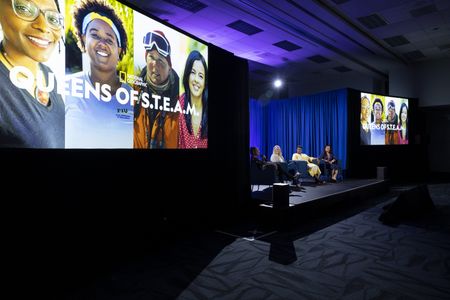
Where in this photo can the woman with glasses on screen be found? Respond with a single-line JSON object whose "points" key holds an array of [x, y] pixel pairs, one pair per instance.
{"points": [[194, 127], [155, 128], [31, 110], [365, 117], [99, 119]]}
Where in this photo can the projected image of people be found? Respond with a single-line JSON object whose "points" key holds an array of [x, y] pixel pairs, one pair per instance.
{"points": [[99, 111], [364, 129], [155, 126], [377, 127], [391, 136], [194, 127], [386, 125], [31, 109], [403, 125]]}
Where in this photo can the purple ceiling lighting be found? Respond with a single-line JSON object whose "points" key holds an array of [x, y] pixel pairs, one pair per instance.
{"points": [[363, 36]]}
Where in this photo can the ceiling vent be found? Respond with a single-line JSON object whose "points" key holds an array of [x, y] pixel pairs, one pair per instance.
{"points": [[318, 59], [288, 46], [189, 5], [340, 1], [397, 40], [342, 69], [413, 55], [372, 21], [244, 27], [422, 11]]}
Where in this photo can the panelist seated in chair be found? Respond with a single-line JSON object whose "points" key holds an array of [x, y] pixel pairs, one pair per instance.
{"points": [[261, 172], [291, 173], [330, 162], [260, 160], [263, 164], [313, 169]]}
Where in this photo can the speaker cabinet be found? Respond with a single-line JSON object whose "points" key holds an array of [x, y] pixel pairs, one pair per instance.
{"points": [[409, 205], [381, 173], [280, 195]]}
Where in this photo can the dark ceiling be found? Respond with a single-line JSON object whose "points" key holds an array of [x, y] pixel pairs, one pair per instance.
{"points": [[297, 37]]}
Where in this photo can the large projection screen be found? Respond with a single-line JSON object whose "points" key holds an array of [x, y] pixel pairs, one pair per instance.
{"points": [[97, 74]]}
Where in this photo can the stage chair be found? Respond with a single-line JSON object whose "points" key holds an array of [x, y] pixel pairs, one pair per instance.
{"points": [[302, 167], [258, 176]]}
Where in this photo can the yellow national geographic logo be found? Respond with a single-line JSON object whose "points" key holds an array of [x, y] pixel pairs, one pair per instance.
{"points": [[131, 79], [123, 77]]}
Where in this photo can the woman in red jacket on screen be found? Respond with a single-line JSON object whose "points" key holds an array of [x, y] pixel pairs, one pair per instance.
{"points": [[194, 101], [403, 124]]}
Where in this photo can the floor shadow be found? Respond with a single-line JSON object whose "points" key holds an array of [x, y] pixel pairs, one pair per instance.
{"points": [[282, 252], [162, 269], [163, 266]]}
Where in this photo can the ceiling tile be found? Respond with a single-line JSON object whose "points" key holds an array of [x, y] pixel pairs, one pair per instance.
{"points": [[397, 40], [414, 55], [244, 27], [342, 69], [286, 45], [318, 59], [422, 11], [372, 21]]}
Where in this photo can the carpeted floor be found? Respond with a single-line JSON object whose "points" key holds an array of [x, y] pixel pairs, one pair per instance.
{"points": [[345, 254]]}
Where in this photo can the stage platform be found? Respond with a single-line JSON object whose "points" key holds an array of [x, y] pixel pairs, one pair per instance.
{"points": [[311, 198]]}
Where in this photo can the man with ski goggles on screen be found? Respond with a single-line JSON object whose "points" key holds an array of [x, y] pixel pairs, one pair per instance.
{"points": [[153, 127]]}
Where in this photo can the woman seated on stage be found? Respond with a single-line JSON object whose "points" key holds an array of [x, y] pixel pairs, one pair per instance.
{"points": [[330, 162]]}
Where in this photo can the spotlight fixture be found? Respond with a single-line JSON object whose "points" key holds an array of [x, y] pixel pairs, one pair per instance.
{"points": [[277, 83]]}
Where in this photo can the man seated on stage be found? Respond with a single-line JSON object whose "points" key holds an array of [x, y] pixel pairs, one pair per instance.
{"points": [[313, 169], [262, 163]]}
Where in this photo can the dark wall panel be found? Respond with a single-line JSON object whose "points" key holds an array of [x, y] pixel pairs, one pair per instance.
{"points": [[79, 206]]}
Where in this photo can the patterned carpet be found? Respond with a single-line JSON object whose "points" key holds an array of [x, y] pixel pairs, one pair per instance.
{"points": [[356, 258], [345, 254]]}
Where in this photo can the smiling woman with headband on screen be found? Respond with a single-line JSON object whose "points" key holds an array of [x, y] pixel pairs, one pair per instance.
{"points": [[31, 110], [99, 119], [377, 127]]}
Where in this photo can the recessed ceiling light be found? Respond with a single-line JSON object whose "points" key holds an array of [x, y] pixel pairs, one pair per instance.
{"points": [[277, 83]]}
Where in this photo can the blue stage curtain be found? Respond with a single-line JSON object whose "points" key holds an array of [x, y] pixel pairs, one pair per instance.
{"points": [[256, 123], [310, 121]]}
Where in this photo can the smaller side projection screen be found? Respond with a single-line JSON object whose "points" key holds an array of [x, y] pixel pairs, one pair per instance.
{"points": [[384, 120]]}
